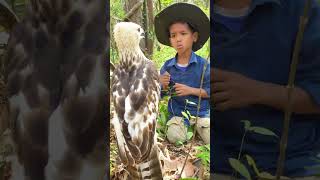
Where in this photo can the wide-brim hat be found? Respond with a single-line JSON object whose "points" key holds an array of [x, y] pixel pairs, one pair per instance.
{"points": [[182, 12], [7, 17]]}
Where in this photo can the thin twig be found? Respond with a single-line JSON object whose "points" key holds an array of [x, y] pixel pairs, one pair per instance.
{"points": [[290, 87], [198, 109]]}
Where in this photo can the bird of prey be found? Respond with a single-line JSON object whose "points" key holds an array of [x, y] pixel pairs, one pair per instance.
{"points": [[135, 93], [56, 78]]}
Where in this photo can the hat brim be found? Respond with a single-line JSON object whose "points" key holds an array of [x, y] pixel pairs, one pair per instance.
{"points": [[182, 12]]}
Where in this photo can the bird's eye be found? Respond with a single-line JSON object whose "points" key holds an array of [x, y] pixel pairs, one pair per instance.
{"points": [[139, 29]]}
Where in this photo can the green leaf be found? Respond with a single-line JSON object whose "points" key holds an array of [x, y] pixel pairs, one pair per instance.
{"points": [[179, 143], [263, 131], [192, 117], [184, 114], [204, 154], [247, 124], [200, 148], [316, 159], [252, 163], [190, 128], [188, 113], [189, 135], [240, 168], [204, 159], [250, 160], [266, 175], [174, 94], [191, 103]]}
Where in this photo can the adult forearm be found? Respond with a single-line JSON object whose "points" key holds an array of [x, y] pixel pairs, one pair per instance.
{"points": [[199, 92], [276, 96]]}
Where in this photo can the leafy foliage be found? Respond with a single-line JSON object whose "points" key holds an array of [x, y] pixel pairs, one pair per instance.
{"points": [[238, 166], [204, 154], [162, 118]]}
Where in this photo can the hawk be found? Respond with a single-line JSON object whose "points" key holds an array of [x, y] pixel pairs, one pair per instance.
{"points": [[135, 93], [56, 78]]}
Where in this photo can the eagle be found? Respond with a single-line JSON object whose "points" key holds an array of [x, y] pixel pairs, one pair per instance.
{"points": [[135, 94], [56, 79]]}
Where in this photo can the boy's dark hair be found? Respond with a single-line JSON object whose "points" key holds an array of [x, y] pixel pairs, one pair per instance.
{"points": [[190, 26]]}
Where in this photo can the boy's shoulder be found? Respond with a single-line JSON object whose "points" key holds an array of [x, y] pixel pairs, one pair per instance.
{"points": [[169, 62], [201, 60], [172, 61]]}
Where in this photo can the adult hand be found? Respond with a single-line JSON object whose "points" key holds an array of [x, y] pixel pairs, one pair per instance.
{"points": [[233, 90]]}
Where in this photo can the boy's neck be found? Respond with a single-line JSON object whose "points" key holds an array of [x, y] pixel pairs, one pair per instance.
{"points": [[232, 4], [184, 58]]}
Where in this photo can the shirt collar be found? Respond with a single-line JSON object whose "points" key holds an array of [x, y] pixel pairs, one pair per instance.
{"points": [[256, 3], [193, 59]]}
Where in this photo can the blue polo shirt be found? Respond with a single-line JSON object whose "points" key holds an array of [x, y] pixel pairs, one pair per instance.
{"points": [[190, 76], [262, 50]]}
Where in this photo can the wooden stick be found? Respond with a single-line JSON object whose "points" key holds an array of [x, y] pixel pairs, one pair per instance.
{"points": [[290, 87], [198, 109]]}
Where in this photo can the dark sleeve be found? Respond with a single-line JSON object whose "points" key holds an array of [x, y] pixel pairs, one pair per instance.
{"points": [[308, 71]]}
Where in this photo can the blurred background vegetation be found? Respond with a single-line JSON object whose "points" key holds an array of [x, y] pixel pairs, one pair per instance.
{"points": [[18, 8]]}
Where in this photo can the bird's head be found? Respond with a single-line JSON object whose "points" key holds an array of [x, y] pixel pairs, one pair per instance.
{"points": [[127, 36]]}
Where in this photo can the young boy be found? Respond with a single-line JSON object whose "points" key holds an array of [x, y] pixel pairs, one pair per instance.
{"points": [[253, 42], [186, 28]]}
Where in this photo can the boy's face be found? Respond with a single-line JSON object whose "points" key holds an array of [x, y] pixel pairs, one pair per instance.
{"points": [[181, 37]]}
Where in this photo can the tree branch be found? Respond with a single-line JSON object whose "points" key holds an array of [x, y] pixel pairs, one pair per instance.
{"points": [[133, 10]]}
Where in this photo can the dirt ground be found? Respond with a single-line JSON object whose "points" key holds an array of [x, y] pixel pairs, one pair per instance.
{"points": [[171, 157]]}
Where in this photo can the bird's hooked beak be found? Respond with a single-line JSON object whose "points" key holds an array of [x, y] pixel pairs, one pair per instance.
{"points": [[142, 35]]}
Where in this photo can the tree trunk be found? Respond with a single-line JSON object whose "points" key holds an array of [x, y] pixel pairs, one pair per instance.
{"points": [[133, 10], [150, 39]]}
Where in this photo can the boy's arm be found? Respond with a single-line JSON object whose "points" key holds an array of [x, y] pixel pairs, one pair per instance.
{"points": [[204, 92], [200, 92], [184, 90]]}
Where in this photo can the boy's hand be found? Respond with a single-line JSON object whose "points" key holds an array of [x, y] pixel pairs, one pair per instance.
{"points": [[233, 90], [183, 90], [164, 80]]}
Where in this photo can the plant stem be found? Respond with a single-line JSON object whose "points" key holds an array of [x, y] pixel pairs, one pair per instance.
{"points": [[290, 87], [198, 109], [241, 146], [234, 173]]}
